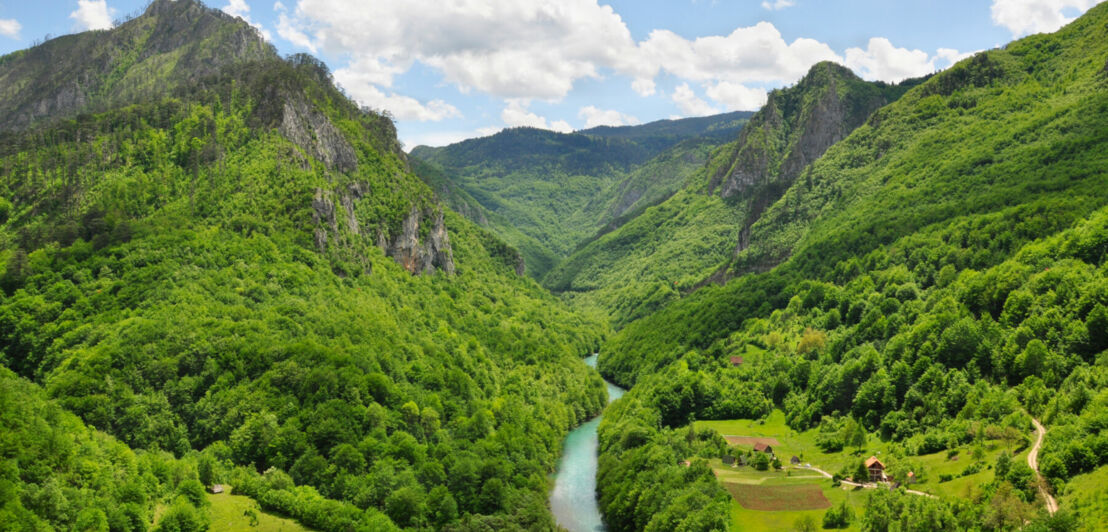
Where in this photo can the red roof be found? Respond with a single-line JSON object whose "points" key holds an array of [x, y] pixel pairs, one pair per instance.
{"points": [[760, 446], [874, 462], [735, 361]]}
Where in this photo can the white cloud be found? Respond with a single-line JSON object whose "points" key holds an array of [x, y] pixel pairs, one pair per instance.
{"points": [[645, 87], [1023, 17], [883, 61], [445, 138], [9, 27], [288, 29], [527, 50], [595, 116], [736, 96], [239, 8], [516, 114], [93, 15], [753, 54], [690, 104], [508, 48], [778, 4], [402, 107]]}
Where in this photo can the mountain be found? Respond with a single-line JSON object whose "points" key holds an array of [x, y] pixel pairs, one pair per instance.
{"points": [[172, 44], [673, 246], [555, 189], [934, 282], [237, 269]]}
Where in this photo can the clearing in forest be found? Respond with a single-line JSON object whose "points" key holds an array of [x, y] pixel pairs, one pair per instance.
{"points": [[778, 498], [751, 440]]}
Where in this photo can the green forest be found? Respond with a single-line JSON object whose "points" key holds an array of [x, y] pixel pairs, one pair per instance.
{"points": [[162, 280], [218, 269], [941, 278]]}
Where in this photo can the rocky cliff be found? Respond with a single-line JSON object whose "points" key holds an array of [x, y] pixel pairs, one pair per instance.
{"points": [[795, 127], [421, 244]]}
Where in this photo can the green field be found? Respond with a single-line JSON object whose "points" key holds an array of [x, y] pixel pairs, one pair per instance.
{"points": [[1085, 496], [803, 445], [229, 513]]}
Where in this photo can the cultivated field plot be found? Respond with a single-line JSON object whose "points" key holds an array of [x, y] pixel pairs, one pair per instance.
{"points": [[778, 498], [751, 440]]}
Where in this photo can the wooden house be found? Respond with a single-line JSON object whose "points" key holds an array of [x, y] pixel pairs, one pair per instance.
{"points": [[876, 469], [763, 448]]}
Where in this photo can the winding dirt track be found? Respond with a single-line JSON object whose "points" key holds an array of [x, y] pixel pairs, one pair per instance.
{"points": [[1033, 461]]}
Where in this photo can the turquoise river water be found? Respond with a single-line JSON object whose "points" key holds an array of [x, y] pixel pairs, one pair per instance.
{"points": [[573, 499]]}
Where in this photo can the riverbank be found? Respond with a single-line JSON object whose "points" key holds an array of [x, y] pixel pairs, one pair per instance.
{"points": [[573, 499]]}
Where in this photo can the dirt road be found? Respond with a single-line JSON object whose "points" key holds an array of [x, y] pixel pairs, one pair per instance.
{"points": [[1033, 461]]}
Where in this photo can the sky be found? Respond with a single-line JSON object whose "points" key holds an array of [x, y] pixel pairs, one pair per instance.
{"points": [[447, 70]]}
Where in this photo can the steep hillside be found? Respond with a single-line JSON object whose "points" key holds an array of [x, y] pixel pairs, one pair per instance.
{"points": [[60, 475], [246, 267], [172, 44], [555, 190], [944, 273], [670, 249]]}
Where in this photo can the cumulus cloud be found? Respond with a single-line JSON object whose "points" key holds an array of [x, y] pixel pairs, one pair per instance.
{"points": [[239, 8], [753, 54], [289, 30], [402, 107], [645, 87], [535, 49], [445, 138], [528, 50], [736, 96], [595, 116], [1023, 17], [881, 60], [517, 114], [691, 105], [93, 15], [9, 27], [778, 4]]}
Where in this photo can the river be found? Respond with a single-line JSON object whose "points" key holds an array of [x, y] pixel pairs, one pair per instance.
{"points": [[573, 499]]}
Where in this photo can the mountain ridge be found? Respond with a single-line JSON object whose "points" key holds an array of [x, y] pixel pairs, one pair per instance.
{"points": [[556, 189]]}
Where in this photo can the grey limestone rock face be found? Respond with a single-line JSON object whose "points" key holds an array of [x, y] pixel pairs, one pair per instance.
{"points": [[314, 133], [423, 258], [418, 256]]}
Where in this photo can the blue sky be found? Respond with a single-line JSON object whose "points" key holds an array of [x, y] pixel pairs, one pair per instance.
{"points": [[449, 70]]}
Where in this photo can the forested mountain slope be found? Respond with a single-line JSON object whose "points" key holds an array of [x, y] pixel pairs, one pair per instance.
{"points": [[671, 248], [172, 44], [554, 190], [58, 474], [245, 267], [944, 273]]}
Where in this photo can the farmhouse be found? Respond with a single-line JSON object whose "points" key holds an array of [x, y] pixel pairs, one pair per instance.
{"points": [[216, 488], [876, 469], [763, 448], [736, 361]]}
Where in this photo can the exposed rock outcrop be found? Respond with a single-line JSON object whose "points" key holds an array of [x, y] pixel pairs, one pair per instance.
{"points": [[795, 127], [416, 257], [418, 254], [314, 133]]}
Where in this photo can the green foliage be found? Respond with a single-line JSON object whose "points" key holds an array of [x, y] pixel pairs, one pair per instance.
{"points": [[163, 278], [546, 192], [56, 473], [839, 516], [951, 251]]}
